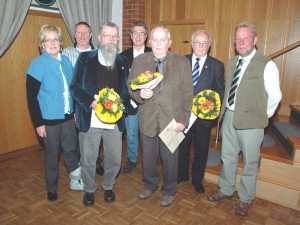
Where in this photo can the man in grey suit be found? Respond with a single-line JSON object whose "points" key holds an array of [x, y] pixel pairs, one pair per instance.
{"points": [[171, 99]]}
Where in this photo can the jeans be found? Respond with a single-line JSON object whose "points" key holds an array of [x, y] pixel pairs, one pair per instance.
{"points": [[132, 129]]}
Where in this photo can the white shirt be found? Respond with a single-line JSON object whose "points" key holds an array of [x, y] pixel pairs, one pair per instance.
{"points": [[201, 62], [137, 53], [271, 83]]}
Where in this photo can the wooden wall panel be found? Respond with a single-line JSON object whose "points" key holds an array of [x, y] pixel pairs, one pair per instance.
{"points": [[277, 23], [167, 10], [241, 10], [296, 10], [259, 11], [17, 130], [194, 9]]}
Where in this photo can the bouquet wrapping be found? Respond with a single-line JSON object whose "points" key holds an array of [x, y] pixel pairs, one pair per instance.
{"points": [[146, 80], [206, 105], [109, 108]]}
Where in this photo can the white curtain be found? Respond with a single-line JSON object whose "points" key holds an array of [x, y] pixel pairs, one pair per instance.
{"points": [[94, 12], [12, 16]]}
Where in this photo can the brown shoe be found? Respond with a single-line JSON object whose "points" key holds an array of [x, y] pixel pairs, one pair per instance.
{"points": [[242, 208], [218, 196]]}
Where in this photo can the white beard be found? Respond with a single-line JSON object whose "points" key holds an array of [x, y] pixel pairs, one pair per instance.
{"points": [[109, 53]]}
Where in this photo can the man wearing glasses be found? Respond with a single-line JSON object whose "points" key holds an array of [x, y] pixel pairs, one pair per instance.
{"points": [[94, 71], [208, 73], [138, 36]]}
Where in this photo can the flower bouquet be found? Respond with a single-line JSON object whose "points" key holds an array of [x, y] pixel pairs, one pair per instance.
{"points": [[146, 80], [109, 107], [206, 105]]}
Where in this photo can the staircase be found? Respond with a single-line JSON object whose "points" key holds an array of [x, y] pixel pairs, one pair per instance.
{"points": [[279, 169]]}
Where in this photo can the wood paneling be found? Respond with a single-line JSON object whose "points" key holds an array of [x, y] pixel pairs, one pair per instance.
{"points": [[277, 23], [17, 130]]}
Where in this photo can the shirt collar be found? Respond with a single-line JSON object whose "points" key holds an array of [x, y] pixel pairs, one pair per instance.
{"points": [[248, 57]]}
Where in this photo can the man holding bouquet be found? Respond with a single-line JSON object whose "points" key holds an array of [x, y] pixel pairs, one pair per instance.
{"points": [[170, 99], [208, 74], [94, 71]]}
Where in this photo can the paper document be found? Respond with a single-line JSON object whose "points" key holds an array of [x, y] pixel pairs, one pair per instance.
{"points": [[170, 137]]}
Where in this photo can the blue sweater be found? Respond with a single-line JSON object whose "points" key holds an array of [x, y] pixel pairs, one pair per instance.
{"points": [[46, 70]]}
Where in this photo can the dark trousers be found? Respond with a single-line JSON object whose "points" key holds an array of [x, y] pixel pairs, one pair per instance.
{"points": [[151, 147], [60, 136], [201, 134]]}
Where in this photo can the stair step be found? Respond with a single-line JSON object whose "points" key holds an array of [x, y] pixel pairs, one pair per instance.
{"points": [[295, 112]]}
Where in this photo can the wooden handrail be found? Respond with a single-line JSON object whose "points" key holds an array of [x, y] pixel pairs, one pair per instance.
{"points": [[285, 50]]}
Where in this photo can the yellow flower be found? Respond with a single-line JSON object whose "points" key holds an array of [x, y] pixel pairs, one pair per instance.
{"points": [[201, 100], [133, 86]]}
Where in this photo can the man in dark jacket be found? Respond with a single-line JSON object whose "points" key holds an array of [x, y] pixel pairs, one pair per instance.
{"points": [[207, 75], [138, 34], [94, 71]]}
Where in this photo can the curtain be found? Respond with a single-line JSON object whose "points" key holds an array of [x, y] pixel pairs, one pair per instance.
{"points": [[94, 12], [12, 16]]}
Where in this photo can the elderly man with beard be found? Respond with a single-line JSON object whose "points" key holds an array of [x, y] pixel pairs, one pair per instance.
{"points": [[94, 71]]}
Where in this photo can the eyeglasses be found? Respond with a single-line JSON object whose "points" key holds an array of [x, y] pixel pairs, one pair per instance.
{"points": [[204, 43], [138, 34], [110, 36], [48, 41]]}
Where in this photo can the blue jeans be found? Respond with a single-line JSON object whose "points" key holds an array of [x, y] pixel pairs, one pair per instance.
{"points": [[132, 130]]}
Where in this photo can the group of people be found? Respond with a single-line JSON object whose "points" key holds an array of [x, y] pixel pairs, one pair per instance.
{"points": [[250, 96]]}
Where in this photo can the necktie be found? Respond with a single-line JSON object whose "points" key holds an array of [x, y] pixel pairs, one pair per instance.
{"points": [[196, 71], [159, 67], [234, 83]]}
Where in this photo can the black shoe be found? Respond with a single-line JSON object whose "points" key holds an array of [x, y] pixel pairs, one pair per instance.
{"points": [[100, 170], [109, 196], [88, 199], [199, 188], [52, 196], [129, 166]]}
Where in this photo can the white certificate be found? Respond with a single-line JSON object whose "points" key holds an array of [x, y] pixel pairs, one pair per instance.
{"points": [[170, 137]]}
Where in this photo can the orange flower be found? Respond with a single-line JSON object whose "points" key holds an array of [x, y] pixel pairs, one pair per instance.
{"points": [[108, 104], [211, 107], [208, 102]]}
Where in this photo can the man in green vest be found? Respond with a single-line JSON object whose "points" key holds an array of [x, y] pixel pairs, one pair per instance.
{"points": [[252, 94]]}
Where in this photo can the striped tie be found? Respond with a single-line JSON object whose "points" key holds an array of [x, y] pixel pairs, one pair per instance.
{"points": [[234, 83], [196, 72]]}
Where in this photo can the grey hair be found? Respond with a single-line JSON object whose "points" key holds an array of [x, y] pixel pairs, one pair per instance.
{"points": [[247, 24], [163, 28], [138, 24], [109, 24], [201, 31]]}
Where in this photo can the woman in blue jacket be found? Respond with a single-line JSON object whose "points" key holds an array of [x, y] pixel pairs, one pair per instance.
{"points": [[51, 107]]}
